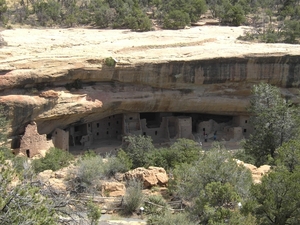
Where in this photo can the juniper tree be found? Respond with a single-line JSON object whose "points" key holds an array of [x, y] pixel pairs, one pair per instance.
{"points": [[274, 120]]}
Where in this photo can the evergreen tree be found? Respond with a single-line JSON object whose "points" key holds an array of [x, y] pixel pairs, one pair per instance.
{"points": [[213, 185], [274, 121], [277, 198]]}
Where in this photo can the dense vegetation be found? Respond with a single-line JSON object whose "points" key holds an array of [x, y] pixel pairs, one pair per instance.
{"points": [[271, 20]]}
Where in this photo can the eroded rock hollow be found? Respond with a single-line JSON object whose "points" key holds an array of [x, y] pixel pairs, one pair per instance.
{"points": [[89, 100]]}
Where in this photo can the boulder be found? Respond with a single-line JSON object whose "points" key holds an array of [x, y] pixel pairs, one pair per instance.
{"points": [[257, 173], [113, 189], [150, 177]]}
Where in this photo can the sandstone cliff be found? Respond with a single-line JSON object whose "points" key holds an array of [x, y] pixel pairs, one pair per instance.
{"points": [[58, 77]]}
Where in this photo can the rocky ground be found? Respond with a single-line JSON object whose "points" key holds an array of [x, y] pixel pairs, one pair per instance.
{"points": [[153, 176], [33, 48]]}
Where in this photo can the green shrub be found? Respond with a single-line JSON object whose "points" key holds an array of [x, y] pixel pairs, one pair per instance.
{"points": [[113, 165], [170, 219], [138, 148], [89, 169], [54, 159], [93, 212], [176, 19], [110, 62], [133, 197], [159, 157], [155, 209], [92, 167], [89, 154], [18, 163], [243, 156], [182, 151], [124, 159]]}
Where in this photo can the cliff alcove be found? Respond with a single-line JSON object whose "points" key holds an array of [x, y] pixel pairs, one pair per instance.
{"points": [[58, 78]]}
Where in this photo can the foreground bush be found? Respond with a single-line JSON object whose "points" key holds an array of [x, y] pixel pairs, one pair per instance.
{"points": [[114, 165], [170, 219], [21, 202], [90, 169], [133, 197], [54, 159], [93, 167], [156, 205], [137, 149], [182, 151]]}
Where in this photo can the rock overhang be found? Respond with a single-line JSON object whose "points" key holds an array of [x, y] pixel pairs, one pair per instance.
{"points": [[182, 72]]}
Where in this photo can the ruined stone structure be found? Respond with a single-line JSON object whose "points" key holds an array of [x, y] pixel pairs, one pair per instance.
{"points": [[60, 139], [32, 143], [161, 127]]}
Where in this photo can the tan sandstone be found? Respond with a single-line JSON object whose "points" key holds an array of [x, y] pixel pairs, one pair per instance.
{"points": [[203, 69], [150, 177]]}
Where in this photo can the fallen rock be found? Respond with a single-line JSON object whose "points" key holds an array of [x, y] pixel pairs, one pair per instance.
{"points": [[112, 189], [150, 177], [257, 173]]}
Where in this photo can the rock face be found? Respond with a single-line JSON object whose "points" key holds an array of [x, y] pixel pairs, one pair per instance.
{"points": [[65, 85], [112, 189], [217, 86], [54, 179], [257, 173], [150, 177]]}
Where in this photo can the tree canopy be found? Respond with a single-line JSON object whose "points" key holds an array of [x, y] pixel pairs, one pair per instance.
{"points": [[274, 120]]}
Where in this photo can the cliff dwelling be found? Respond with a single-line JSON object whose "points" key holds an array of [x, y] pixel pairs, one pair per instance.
{"points": [[107, 134], [165, 84]]}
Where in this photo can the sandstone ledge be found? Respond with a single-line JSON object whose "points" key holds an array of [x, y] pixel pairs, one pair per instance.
{"points": [[203, 69]]}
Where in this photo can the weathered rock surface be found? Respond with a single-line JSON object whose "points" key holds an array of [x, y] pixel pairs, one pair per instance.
{"points": [[202, 69], [257, 173], [150, 177], [112, 189], [50, 178]]}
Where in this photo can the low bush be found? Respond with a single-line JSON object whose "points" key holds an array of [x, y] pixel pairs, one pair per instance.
{"points": [[243, 156], [138, 148], [170, 219], [156, 205], [18, 163], [124, 159], [182, 151], [90, 168], [113, 165], [133, 197], [54, 159], [89, 154], [110, 62], [93, 212]]}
